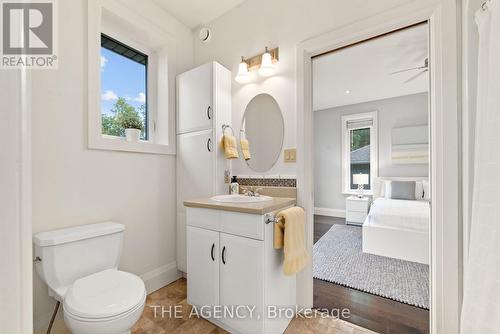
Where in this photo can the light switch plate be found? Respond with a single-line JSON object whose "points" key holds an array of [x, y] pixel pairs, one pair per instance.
{"points": [[290, 155]]}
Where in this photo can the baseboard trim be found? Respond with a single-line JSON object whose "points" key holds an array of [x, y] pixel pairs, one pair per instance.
{"points": [[329, 212], [160, 277]]}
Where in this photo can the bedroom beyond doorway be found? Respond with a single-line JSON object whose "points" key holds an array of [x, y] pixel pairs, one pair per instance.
{"points": [[372, 194]]}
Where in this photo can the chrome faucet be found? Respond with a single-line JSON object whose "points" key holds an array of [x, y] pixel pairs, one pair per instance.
{"points": [[252, 193]]}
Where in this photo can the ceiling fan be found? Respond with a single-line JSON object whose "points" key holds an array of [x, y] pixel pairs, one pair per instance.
{"points": [[424, 68]]}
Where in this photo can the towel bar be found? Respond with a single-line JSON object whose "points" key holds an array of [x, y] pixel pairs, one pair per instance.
{"points": [[273, 219], [270, 219]]}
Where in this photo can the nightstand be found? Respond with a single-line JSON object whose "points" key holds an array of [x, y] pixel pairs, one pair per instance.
{"points": [[356, 209]]}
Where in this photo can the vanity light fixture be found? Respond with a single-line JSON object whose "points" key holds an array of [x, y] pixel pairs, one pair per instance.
{"points": [[242, 76], [266, 66], [264, 62], [347, 91]]}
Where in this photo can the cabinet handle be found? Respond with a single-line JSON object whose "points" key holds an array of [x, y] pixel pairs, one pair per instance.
{"points": [[224, 255], [212, 252], [209, 112], [209, 145]]}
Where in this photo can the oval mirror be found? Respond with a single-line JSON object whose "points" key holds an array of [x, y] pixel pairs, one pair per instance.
{"points": [[264, 128]]}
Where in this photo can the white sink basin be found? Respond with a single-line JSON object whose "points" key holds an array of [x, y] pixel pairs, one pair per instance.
{"points": [[241, 199]]}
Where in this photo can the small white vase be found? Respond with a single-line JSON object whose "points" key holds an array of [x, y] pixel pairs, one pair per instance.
{"points": [[132, 135]]}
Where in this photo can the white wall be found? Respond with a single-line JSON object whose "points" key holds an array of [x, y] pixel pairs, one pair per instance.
{"points": [[248, 28], [394, 112], [73, 185]]}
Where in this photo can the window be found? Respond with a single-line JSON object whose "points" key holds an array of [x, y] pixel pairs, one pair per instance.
{"points": [[131, 70], [124, 73], [360, 154], [359, 149]]}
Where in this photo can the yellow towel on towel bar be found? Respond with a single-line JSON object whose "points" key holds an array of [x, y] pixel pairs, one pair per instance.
{"points": [[229, 145], [245, 149], [289, 234]]}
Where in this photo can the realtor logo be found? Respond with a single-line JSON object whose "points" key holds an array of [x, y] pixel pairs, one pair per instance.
{"points": [[28, 30]]}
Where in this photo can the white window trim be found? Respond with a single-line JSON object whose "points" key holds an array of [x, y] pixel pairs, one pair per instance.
{"points": [[161, 78], [346, 151]]}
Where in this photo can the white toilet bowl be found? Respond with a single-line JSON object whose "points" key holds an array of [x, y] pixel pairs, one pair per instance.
{"points": [[79, 265], [107, 302]]}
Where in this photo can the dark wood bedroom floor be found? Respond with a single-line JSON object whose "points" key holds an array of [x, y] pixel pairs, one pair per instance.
{"points": [[376, 313]]}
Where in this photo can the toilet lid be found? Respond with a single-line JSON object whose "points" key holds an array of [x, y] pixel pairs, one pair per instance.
{"points": [[104, 294]]}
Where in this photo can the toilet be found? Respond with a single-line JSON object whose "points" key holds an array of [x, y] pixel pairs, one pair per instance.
{"points": [[79, 266]]}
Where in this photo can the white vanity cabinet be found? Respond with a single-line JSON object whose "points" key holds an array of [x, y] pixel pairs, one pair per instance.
{"points": [[232, 263]]}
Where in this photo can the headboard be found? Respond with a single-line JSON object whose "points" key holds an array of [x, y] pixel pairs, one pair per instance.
{"points": [[378, 182]]}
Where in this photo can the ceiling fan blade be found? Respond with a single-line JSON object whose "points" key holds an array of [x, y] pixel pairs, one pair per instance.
{"points": [[410, 69], [415, 76]]}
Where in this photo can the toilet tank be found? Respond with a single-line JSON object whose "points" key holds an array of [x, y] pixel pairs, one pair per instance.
{"points": [[68, 254]]}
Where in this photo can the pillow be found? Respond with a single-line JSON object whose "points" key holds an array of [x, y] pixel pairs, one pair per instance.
{"points": [[419, 190], [426, 190], [387, 189], [378, 187], [403, 190]]}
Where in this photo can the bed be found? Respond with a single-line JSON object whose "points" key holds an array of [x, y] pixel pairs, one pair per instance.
{"points": [[398, 228]]}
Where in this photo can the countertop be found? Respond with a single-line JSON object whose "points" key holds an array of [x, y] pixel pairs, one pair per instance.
{"points": [[259, 208]]}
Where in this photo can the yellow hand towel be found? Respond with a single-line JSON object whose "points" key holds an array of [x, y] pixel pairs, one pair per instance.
{"points": [[245, 149], [230, 148], [289, 234]]}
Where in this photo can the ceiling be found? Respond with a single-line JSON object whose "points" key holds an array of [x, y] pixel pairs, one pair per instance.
{"points": [[193, 13], [362, 72]]}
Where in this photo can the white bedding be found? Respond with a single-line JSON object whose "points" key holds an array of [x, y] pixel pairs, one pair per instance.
{"points": [[395, 213]]}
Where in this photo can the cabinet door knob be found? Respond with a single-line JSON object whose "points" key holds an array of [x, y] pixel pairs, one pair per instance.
{"points": [[209, 112], [209, 145], [224, 255], [212, 252]]}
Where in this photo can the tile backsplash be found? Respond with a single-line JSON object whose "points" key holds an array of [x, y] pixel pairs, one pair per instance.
{"points": [[267, 182]]}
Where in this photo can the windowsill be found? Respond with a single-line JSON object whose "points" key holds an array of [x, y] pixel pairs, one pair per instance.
{"points": [[112, 143], [355, 192]]}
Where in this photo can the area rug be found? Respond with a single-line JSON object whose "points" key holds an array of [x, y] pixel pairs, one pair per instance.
{"points": [[338, 258]]}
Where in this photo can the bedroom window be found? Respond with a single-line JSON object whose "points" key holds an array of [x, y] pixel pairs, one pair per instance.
{"points": [[359, 149]]}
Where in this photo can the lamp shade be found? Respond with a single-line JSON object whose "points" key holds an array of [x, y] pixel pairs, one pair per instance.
{"points": [[360, 179], [266, 66], [242, 76]]}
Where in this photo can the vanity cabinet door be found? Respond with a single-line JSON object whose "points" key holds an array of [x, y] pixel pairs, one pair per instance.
{"points": [[195, 110], [241, 280], [203, 266]]}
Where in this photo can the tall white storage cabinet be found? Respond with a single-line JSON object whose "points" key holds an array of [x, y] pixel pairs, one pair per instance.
{"points": [[203, 106]]}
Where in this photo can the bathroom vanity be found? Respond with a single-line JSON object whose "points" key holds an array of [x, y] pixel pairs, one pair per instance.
{"points": [[233, 266]]}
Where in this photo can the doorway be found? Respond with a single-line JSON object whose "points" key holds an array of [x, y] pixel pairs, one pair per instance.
{"points": [[445, 264], [372, 200]]}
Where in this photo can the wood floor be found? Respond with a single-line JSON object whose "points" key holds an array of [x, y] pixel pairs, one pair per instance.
{"points": [[379, 314], [175, 295]]}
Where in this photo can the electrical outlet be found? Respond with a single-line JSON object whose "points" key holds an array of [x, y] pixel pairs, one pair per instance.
{"points": [[290, 155], [227, 176]]}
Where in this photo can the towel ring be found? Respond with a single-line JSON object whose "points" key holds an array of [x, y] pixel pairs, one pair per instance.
{"points": [[225, 126]]}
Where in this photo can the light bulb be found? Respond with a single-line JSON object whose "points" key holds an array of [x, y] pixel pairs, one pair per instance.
{"points": [[266, 66], [242, 76]]}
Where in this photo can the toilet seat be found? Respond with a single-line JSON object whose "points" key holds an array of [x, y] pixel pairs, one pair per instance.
{"points": [[104, 296]]}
